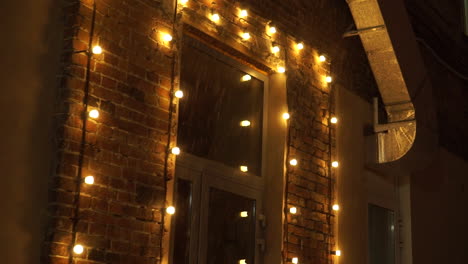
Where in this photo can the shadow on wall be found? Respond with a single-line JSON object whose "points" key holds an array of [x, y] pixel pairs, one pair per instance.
{"points": [[29, 46]]}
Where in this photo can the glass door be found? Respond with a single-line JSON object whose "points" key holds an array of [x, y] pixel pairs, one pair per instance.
{"points": [[219, 180]]}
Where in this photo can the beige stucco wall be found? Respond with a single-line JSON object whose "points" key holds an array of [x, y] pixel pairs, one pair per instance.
{"points": [[432, 202], [27, 79]]}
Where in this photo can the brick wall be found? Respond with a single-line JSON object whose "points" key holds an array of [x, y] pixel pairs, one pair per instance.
{"points": [[124, 149], [119, 218]]}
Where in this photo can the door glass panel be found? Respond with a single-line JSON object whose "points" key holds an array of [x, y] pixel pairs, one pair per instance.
{"points": [[381, 235], [231, 228], [182, 222], [216, 100]]}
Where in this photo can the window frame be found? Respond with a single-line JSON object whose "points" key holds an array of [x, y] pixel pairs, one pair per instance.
{"points": [[215, 174]]}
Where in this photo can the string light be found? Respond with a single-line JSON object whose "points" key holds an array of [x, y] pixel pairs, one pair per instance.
{"points": [[293, 210], [334, 120], [244, 168], [183, 2], [242, 261], [281, 69], [243, 13], [170, 210], [244, 214], [246, 35], [78, 249], [89, 180], [293, 162], [272, 30], [245, 123], [275, 49], [328, 79], [336, 207], [179, 94], [97, 50], [295, 260], [215, 17], [93, 113], [335, 164], [286, 116], [322, 58], [175, 150], [167, 37], [300, 46], [246, 78]]}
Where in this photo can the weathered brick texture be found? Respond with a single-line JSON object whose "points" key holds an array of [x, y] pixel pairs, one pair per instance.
{"points": [[125, 148]]}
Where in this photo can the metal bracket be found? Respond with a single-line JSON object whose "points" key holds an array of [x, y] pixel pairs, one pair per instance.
{"points": [[262, 220], [362, 30], [379, 128]]}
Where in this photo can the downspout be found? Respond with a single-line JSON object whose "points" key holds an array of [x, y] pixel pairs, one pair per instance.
{"points": [[394, 57]]}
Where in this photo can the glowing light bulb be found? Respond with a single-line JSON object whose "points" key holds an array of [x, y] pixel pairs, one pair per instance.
{"points": [[179, 94], [336, 253], [293, 162], [242, 261], [175, 150], [94, 113], [295, 260], [300, 46], [328, 79], [336, 207], [78, 249], [275, 49], [335, 164], [167, 37], [244, 168], [333, 120], [245, 123], [246, 35], [246, 78], [281, 69], [322, 58], [272, 30], [244, 214], [170, 210], [293, 210], [89, 180], [97, 49], [286, 116], [243, 13], [183, 2], [215, 17]]}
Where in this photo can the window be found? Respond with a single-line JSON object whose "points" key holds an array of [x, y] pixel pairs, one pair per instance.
{"points": [[381, 232], [220, 175]]}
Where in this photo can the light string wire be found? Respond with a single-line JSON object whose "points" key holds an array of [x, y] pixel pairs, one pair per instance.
{"points": [[288, 167], [330, 172], [79, 177], [168, 142]]}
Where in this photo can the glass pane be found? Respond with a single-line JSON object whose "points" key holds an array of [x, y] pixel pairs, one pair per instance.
{"points": [[215, 102], [231, 228], [182, 222], [381, 235]]}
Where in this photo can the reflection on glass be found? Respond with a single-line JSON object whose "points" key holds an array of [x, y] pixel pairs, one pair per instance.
{"points": [[381, 235], [216, 101], [231, 228], [182, 222]]}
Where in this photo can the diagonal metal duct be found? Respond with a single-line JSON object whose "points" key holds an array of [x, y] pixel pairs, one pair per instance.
{"points": [[395, 138]]}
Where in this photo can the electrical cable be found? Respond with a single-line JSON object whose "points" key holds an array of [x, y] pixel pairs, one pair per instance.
{"points": [[79, 176], [442, 61]]}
